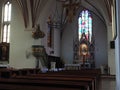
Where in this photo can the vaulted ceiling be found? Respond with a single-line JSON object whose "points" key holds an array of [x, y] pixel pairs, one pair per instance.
{"points": [[101, 8]]}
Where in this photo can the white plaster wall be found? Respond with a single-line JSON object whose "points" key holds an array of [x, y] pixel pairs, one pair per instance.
{"points": [[111, 52], [49, 10], [57, 45], [69, 34], [67, 44], [111, 61], [21, 39], [100, 34]]}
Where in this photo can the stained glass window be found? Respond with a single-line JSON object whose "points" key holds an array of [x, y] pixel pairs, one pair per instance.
{"points": [[85, 24]]}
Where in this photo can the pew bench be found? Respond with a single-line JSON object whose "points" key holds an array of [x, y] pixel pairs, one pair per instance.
{"points": [[83, 80], [23, 84], [88, 78], [93, 78], [8, 73]]}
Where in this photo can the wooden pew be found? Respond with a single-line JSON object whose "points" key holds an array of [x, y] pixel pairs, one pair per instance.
{"points": [[82, 80], [24, 84], [89, 75], [86, 78], [29, 71], [8, 73], [83, 72]]}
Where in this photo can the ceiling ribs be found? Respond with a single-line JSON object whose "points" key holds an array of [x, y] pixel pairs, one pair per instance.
{"points": [[108, 4]]}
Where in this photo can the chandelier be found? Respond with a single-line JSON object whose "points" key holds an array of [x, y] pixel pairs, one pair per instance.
{"points": [[55, 20], [54, 23]]}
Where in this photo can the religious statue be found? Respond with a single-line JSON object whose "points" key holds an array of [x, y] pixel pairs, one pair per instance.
{"points": [[71, 9]]}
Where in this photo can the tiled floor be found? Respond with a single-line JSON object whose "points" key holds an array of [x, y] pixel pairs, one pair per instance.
{"points": [[107, 84]]}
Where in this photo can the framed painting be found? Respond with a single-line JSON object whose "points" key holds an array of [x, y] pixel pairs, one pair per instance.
{"points": [[4, 51]]}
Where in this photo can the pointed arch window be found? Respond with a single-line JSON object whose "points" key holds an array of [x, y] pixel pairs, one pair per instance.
{"points": [[85, 25], [6, 22]]}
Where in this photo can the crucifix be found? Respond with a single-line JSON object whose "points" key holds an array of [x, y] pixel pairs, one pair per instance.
{"points": [[71, 8]]}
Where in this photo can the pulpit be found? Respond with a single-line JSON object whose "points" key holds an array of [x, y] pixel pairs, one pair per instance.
{"points": [[38, 51]]}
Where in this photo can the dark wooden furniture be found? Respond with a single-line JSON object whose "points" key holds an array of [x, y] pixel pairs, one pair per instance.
{"points": [[34, 79], [4, 51], [59, 63]]}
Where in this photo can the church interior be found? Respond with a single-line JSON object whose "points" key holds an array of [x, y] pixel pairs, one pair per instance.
{"points": [[59, 45]]}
